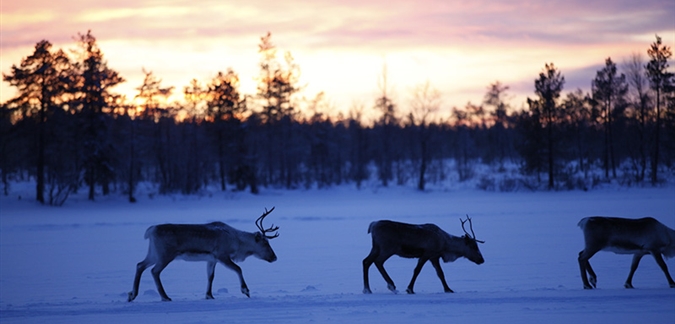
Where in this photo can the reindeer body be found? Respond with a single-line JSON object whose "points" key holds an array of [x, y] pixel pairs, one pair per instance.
{"points": [[213, 242], [426, 242], [638, 237]]}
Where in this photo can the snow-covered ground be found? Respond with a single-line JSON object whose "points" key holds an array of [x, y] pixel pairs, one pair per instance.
{"points": [[75, 264]]}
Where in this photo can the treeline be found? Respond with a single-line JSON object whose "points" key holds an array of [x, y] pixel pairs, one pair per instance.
{"points": [[69, 131]]}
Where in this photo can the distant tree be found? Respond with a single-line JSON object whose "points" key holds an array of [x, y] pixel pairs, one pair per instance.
{"points": [[95, 100], [660, 80], [359, 146], [638, 110], [577, 126], [195, 101], [151, 93], [609, 88], [385, 124], [531, 143], [9, 143], [464, 144], [154, 130], [426, 101], [548, 87], [498, 136], [43, 81], [277, 84], [226, 106]]}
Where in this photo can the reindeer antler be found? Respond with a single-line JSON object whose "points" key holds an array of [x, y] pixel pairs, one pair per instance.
{"points": [[472, 235], [259, 223]]}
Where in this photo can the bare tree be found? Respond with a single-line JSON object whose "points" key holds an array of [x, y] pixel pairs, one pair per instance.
{"points": [[639, 107], [426, 101], [387, 122]]}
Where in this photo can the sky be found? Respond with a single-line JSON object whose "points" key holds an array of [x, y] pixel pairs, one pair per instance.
{"points": [[341, 46]]}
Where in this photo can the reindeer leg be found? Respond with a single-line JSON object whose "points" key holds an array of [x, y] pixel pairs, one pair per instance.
{"points": [[585, 266], [593, 278], [210, 273], [664, 267], [379, 263], [367, 262], [439, 272], [416, 272], [227, 262], [633, 267], [156, 270], [140, 267]]}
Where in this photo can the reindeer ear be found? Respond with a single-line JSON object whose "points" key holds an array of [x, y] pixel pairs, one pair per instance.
{"points": [[258, 237]]}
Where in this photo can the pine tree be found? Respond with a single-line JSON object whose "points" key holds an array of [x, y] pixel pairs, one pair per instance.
{"points": [[660, 82], [43, 80], [94, 99], [609, 88], [548, 87]]}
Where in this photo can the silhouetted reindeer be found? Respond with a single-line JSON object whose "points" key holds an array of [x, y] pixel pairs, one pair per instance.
{"points": [[426, 242], [625, 236], [213, 242]]}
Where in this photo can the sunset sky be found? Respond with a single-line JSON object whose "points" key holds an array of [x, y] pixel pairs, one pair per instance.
{"points": [[460, 47]]}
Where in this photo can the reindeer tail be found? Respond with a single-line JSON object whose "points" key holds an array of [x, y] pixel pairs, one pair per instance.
{"points": [[370, 227], [149, 232], [582, 222]]}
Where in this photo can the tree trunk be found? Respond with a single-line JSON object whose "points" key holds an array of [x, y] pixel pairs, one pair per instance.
{"points": [[655, 160]]}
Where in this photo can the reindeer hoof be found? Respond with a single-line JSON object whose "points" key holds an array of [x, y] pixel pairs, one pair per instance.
{"points": [[167, 299], [246, 292], [449, 291], [367, 291], [628, 286], [209, 297], [410, 291], [587, 287], [672, 285], [131, 297]]}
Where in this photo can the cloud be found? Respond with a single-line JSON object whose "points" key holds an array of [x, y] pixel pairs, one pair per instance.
{"points": [[458, 45]]}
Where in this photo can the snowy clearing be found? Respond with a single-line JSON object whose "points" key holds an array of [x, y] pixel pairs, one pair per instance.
{"points": [[76, 263]]}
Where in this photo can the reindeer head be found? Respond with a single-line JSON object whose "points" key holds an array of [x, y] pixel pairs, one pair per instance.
{"points": [[471, 242], [264, 250]]}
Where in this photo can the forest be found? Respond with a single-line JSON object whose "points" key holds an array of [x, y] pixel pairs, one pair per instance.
{"points": [[68, 131]]}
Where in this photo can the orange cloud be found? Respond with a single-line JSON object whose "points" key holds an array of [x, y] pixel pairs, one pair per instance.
{"points": [[458, 46]]}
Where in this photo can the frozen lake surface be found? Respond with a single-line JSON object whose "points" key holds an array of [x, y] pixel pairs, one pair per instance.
{"points": [[76, 263]]}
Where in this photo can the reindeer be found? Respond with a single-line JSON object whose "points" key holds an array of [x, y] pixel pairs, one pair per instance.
{"points": [[625, 236], [213, 242], [425, 242]]}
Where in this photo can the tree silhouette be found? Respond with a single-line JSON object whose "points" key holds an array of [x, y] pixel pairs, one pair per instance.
{"points": [[498, 140], [609, 89], [43, 81], [548, 87], [426, 101], [387, 122], [94, 99], [150, 93], [660, 82], [225, 106], [638, 110], [277, 83]]}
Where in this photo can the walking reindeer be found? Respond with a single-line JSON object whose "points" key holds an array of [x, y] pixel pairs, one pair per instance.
{"points": [[425, 242], [213, 242], [625, 236]]}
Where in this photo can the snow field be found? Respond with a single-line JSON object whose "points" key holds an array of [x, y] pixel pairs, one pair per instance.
{"points": [[76, 263]]}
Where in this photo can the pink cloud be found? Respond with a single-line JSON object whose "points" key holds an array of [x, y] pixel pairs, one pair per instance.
{"points": [[546, 30]]}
